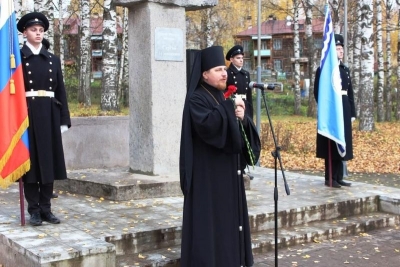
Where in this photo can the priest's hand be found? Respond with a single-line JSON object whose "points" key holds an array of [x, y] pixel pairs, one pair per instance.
{"points": [[239, 103], [239, 112]]}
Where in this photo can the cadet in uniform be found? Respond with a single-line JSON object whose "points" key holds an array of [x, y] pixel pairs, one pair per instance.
{"points": [[349, 115], [239, 77], [48, 117]]}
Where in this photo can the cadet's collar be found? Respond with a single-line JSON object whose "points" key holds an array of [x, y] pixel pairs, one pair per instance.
{"points": [[239, 69], [33, 49], [27, 51], [342, 64]]}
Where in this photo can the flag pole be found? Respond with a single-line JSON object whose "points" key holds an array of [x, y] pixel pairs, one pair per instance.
{"points": [[14, 149], [330, 162], [21, 201]]}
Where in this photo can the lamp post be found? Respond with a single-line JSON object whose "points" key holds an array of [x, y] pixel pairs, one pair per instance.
{"points": [[345, 32], [289, 21], [258, 98]]}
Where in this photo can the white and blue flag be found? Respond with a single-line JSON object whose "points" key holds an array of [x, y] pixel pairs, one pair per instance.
{"points": [[330, 107]]}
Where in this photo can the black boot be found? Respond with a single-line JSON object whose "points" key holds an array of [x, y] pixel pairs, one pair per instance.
{"points": [[343, 183], [49, 217], [334, 184], [35, 219]]}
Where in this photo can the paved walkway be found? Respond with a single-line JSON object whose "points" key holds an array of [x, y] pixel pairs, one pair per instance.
{"points": [[376, 248]]}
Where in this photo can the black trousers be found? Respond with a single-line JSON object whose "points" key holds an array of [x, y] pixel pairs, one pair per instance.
{"points": [[337, 170], [38, 196]]}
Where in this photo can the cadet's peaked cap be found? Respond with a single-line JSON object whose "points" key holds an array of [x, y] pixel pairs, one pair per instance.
{"points": [[339, 40], [236, 50], [212, 57], [30, 19]]}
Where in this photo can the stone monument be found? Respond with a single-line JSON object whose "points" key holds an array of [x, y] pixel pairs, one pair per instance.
{"points": [[157, 81]]}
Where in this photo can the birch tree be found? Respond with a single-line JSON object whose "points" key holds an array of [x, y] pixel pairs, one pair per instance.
{"points": [[47, 8], [215, 26], [367, 67], [85, 55], [296, 45], [200, 28], [109, 100], [206, 26], [381, 73], [123, 82], [19, 8], [312, 66], [61, 30], [398, 67], [357, 59], [389, 84], [335, 16]]}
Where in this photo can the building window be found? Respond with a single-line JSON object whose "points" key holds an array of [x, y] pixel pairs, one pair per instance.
{"points": [[278, 64], [246, 45], [97, 45], [264, 64], [247, 64], [264, 45], [277, 44], [318, 43]]}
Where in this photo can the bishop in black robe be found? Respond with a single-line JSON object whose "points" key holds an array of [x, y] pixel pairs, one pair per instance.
{"points": [[215, 231]]}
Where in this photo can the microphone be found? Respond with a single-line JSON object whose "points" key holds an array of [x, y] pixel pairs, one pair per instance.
{"points": [[262, 86]]}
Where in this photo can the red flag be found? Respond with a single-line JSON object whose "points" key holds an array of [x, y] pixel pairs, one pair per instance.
{"points": [[14, 142]]}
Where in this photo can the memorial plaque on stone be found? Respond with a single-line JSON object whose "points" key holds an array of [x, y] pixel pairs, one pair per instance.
{"points": [[169, 44]]}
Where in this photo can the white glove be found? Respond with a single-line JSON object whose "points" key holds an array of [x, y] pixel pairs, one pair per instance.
{"points": [[64, 128], [353, 119]]}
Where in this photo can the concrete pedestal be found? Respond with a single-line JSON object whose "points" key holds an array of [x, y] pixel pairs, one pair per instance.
{"points": [[157, 83]]}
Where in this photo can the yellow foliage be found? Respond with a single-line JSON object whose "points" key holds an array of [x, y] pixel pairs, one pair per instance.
{"points": [[374, 152]]}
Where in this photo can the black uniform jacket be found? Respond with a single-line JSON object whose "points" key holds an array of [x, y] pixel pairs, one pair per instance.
{"points": [[46, 115], [215, 201], [241, 79], [348, 113]]}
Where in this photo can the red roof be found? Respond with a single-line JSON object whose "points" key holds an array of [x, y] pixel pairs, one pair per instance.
{"points": [[96, 25], [272, 27]]}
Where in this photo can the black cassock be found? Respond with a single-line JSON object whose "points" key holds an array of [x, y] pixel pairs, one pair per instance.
{"points": [[215, 201]]}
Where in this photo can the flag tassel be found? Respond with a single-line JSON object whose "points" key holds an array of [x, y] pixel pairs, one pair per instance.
{"points": [[12, 61], [12, 87], [13, 66]]}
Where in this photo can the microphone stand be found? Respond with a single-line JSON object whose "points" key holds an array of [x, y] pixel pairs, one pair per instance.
{"points": [[277, 156], [240, 202], [241, 233]]}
